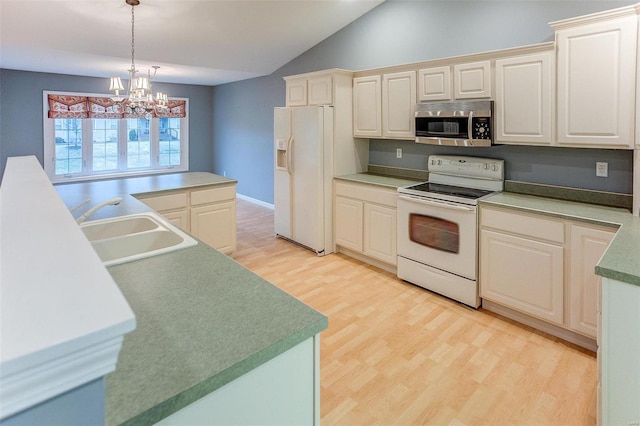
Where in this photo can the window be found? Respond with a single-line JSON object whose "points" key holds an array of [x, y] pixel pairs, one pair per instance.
{"points": [[87, 138]]}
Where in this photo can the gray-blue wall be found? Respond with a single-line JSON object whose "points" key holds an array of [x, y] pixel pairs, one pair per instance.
{"points": [[21, 112], [398, 32]]}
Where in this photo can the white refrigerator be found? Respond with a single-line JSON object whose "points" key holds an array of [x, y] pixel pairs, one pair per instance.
{"points": [[303, 143]]}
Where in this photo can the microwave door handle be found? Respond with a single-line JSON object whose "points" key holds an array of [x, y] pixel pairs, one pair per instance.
{"points": [[434, 203], [470, 126]]}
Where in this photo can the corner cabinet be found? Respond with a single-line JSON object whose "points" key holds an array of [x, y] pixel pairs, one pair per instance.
{"points": [[587, 245], [525, 95], [208, 213], [365, 222], [542, 267], [597, 79]]}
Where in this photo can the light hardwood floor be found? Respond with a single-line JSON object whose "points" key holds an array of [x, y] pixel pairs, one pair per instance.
{"points": [[395, 353]]}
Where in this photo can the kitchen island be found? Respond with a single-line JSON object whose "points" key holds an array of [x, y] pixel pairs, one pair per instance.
{"points": [[204, 323]]}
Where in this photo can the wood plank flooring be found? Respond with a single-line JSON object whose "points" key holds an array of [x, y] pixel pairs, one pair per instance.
{"points": [[396, 354]]}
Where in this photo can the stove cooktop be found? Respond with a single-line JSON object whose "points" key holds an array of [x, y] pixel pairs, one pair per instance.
{"points": [[427, 188]]}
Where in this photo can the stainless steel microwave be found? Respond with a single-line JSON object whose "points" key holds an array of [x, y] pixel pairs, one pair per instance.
{"points": [[459, 123]]}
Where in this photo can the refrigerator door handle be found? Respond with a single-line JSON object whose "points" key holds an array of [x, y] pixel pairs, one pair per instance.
{"points": [[289, 155]]}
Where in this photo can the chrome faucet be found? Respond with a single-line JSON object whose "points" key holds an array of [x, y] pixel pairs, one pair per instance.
{"points": [[110, 202]]}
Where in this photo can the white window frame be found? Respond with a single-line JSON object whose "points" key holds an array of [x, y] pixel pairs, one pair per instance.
{"points": [[87, 131]]}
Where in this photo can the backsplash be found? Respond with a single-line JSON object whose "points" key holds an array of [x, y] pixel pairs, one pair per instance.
{"points": [[565, 167]]}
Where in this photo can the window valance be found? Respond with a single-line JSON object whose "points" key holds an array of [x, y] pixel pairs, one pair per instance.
{"points": [[65, 106]]}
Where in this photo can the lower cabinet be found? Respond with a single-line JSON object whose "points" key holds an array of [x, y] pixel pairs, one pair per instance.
{"points": [[365, 221], [208, 213], [283, 391], [543, 267]]}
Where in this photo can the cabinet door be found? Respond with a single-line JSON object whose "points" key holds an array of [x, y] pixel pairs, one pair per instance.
{"points": [[348, 223], [522, 274], [398, 105], [178, 218], [215, 224], [296, 92], [596, 84], [434, 84], [472, 80], [320, 90], [380, 233], [524, 99], [587, 246], [367, 106]]}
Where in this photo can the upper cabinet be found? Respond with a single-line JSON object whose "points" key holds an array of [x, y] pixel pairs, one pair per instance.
{"points": [[309, 90], [597, 79], [398, 105], [472, 80], [525, 98], [367, 106], [462, 81], [384, 105], [434, 84]]}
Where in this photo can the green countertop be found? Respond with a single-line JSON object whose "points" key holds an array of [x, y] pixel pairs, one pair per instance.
{"points": [[379, 180], [621, 261], [202, 319]]}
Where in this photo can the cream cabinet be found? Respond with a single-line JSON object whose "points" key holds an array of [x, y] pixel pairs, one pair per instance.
{"points": [[208, 213], [596, 79], [380, 232], [213, 217], [522, 263], [459, 81], [309, 90], [173, 205], [472, 80], [349, 223], [367, 106], [384, 106], [587, 245], [398, 105], [543, 267], [365, 222], [434, 84], [524, 102]]}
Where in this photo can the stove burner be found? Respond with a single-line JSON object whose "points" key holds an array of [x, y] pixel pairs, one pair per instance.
{"points": [[456, 191]]}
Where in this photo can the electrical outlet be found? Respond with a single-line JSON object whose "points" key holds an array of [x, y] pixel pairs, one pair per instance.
{"points": [[399, 153], [602, 169]]}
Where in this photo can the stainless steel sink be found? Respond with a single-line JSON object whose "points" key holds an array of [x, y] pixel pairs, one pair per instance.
{"points": [[128, 238]]}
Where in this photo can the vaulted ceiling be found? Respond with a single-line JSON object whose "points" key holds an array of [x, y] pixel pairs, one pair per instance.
{"points": [[206, 42]]}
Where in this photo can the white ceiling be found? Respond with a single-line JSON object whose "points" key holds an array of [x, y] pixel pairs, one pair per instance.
{"points": [[206, 42]]}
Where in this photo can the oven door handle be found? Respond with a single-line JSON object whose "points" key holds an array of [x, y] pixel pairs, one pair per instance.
{"points": [[437, 203]]}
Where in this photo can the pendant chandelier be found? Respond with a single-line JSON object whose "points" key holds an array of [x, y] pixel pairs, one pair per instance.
{"points": [[140, 98]]}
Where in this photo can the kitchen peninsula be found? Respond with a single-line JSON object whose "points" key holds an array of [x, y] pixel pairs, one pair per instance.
{"points": [[209, 334]]}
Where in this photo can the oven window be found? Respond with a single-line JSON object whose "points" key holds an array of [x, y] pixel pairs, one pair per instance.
{"points": [[434, 232]]}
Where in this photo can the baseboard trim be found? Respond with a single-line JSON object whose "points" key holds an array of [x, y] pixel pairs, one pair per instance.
{"points": [[255, 201], [544, 326], [362, 258]]}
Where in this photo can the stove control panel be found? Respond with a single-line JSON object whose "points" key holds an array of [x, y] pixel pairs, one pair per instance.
{"points": [[471, 167]]}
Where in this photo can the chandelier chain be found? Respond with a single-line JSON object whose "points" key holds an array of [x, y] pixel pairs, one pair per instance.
{"points": [[133, 23]]}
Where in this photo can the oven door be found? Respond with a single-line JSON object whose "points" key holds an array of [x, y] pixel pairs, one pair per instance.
{"points": [[438, 233]]}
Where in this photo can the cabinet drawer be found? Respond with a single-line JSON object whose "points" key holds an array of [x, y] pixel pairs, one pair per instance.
{"points": [[213, 195], [523, 224], [162, 203], [369, 193]]}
